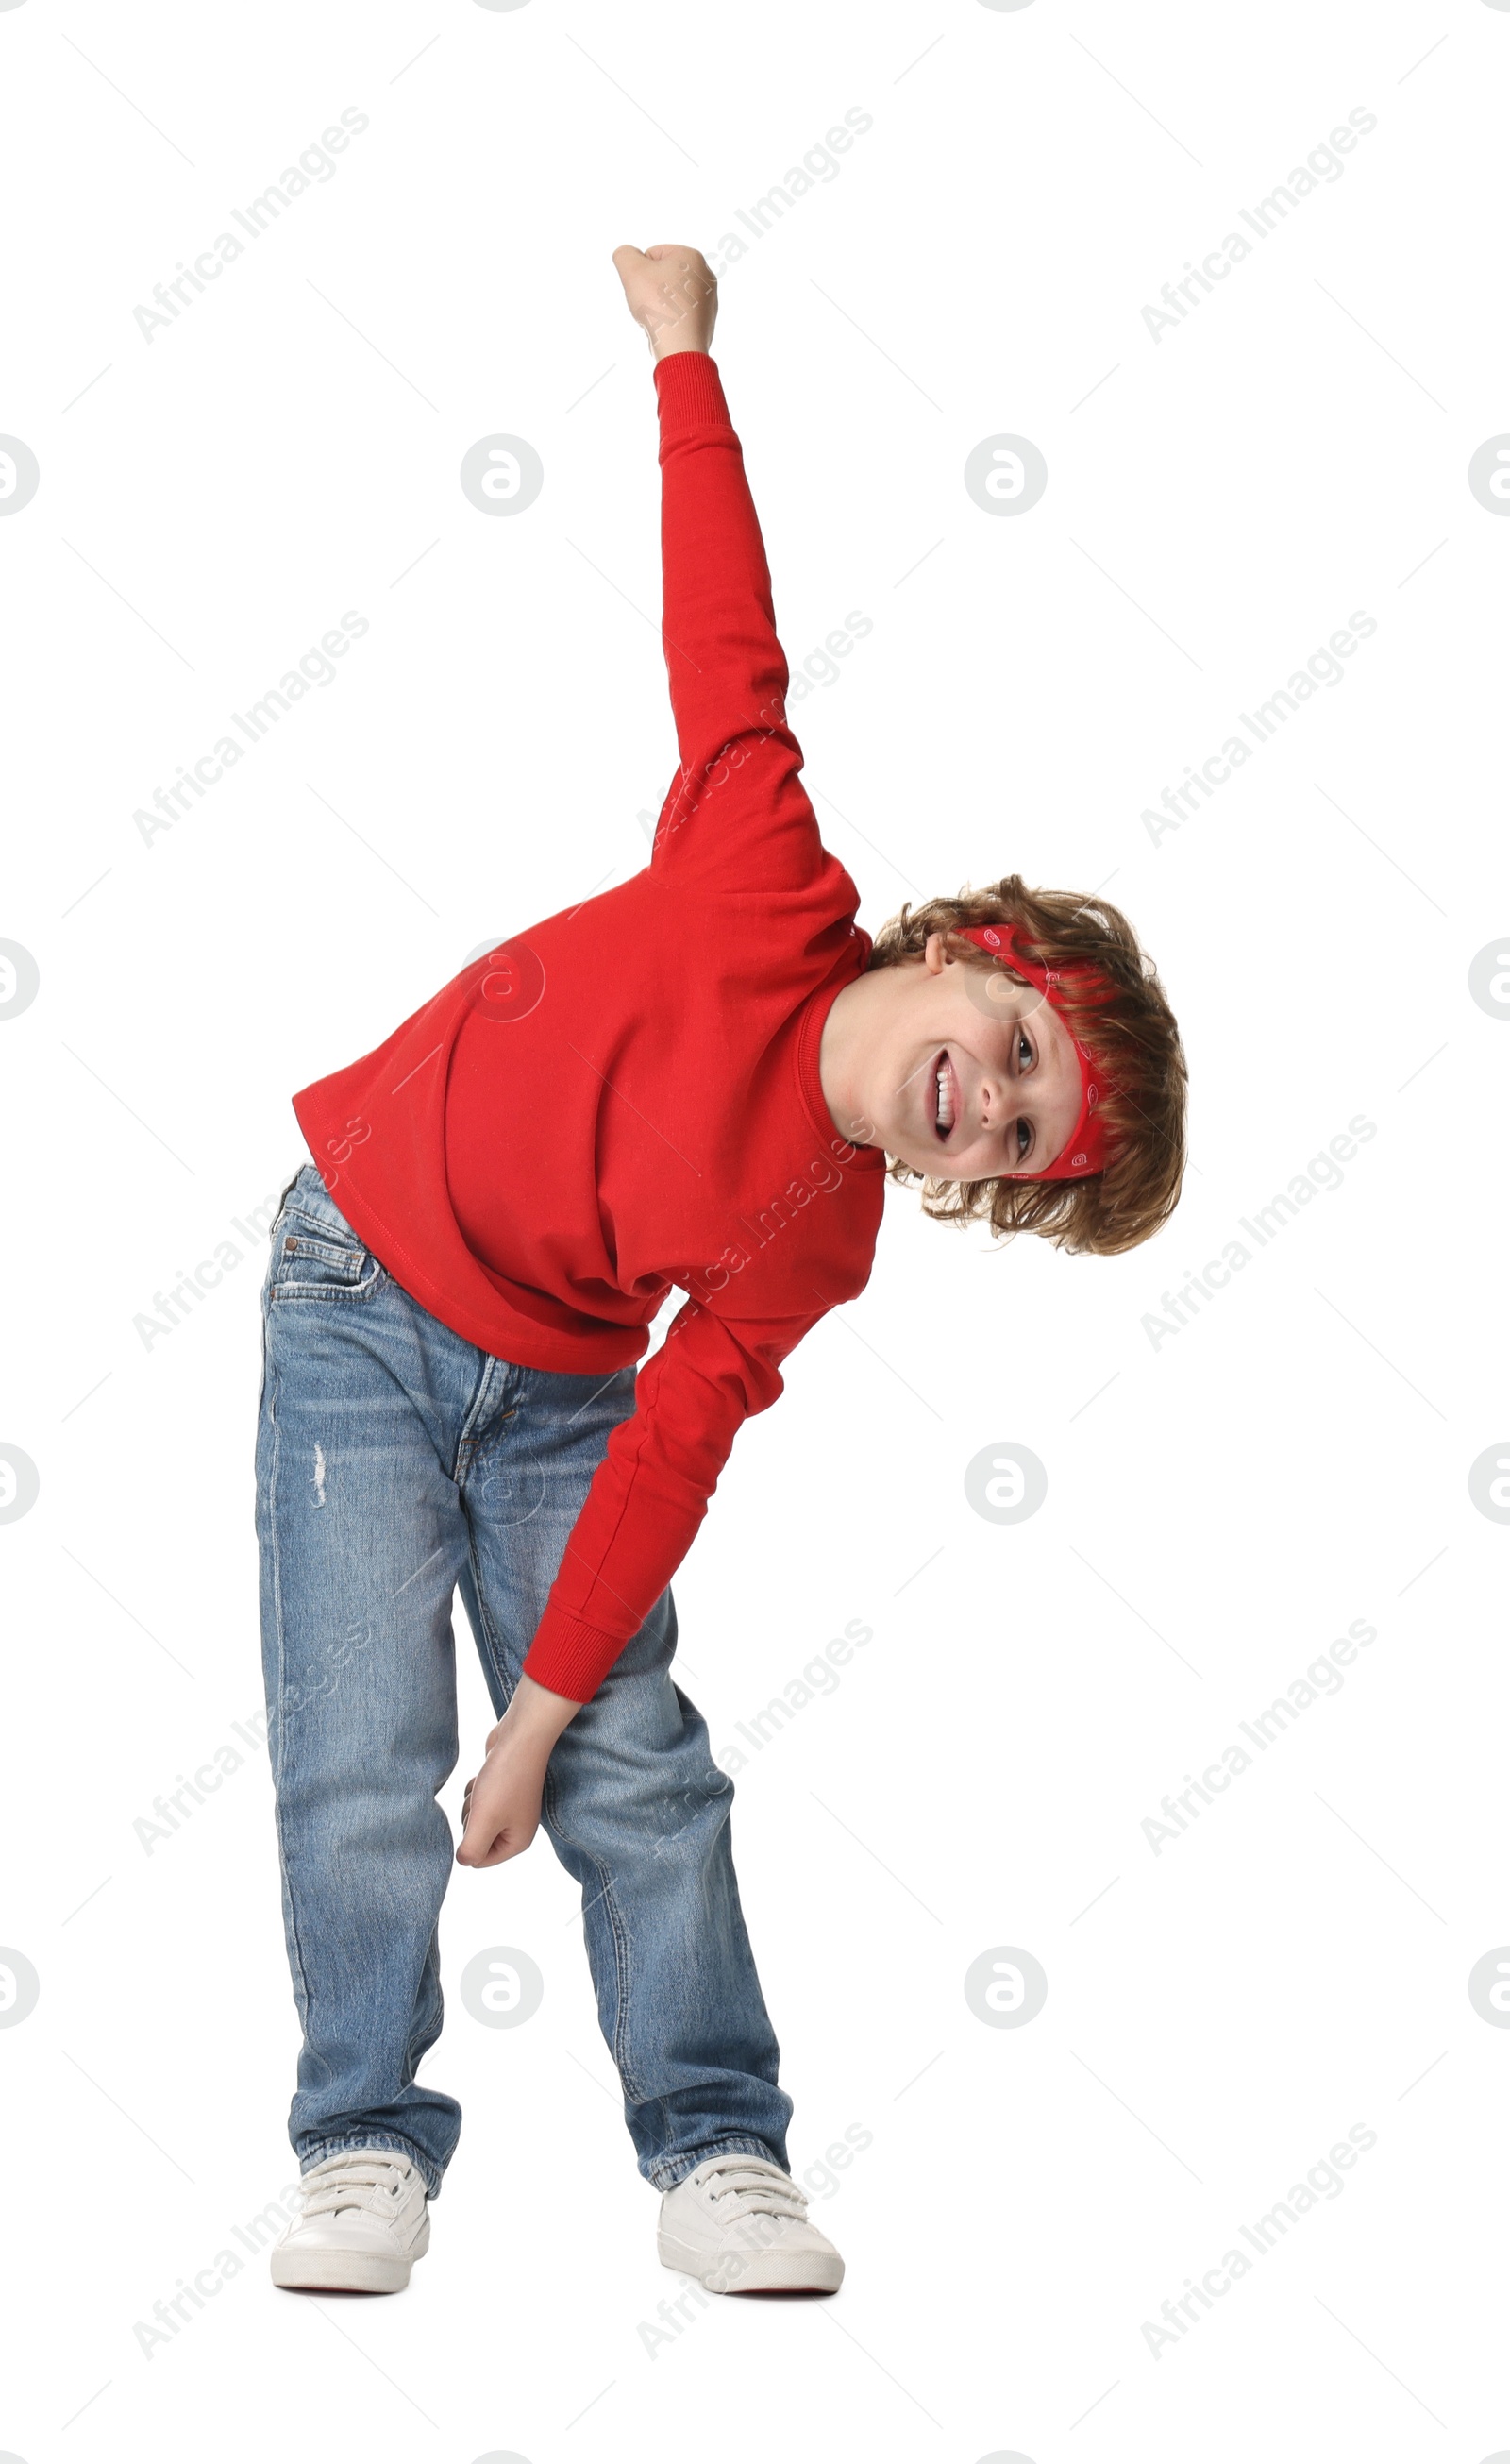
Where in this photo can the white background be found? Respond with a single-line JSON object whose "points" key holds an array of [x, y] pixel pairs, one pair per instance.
{"points": [[1220, 1505]]}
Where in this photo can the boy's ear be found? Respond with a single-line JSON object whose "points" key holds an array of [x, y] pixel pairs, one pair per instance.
{"points": [[935, 957]]}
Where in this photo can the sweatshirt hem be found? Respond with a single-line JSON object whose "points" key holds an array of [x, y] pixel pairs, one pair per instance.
{"points": [[510, 1337]]}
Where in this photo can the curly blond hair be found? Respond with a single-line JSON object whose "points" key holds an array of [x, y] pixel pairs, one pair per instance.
{"points": [[1132, 1033]]}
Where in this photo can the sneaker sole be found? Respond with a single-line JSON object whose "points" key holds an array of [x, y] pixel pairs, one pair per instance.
{"points": [[761, 2271], [344, 2271]]}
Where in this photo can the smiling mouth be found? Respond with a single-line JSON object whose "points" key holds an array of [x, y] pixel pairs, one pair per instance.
{"points": [[946, 1098]]}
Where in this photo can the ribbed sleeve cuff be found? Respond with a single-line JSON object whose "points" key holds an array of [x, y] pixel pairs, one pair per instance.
{"points": [[691, 394], [568, 1656]]}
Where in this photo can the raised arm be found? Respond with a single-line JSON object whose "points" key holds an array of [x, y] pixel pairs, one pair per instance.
{"points": [[737, 824], [737, 818]]}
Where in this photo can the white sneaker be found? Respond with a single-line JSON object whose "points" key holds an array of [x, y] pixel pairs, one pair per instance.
{"points": [[738, 2224], [364, 2223]]}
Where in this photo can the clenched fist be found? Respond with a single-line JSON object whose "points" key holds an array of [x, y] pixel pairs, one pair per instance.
{"points": [[670, 293], [502, 1806]]}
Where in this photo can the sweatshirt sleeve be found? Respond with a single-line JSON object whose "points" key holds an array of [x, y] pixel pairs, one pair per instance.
{"points": [[737, 818], [650, 1491]]}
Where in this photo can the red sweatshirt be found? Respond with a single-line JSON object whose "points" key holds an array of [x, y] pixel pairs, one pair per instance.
{"points": [[625, 1098]]}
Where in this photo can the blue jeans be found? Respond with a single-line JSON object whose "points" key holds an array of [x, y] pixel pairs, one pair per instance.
{"points": [[394, 1461]]}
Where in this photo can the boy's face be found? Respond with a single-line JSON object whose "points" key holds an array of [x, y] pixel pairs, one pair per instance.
{"points": [[972, 1076]]}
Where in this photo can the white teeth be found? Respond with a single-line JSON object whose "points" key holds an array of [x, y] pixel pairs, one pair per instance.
{"points": [[945, 1113]]}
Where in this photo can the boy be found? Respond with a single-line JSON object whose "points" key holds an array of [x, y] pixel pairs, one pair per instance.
{"points": [[695, 1081]]}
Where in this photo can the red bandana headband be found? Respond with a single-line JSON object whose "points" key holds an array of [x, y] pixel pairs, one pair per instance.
{"points": [[1084, 1150]]}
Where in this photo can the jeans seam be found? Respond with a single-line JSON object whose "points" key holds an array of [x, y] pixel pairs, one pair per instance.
{"points": [[465, 1446], [623, 1971], [491, 1637], [414, 2053], [277, 1756]]}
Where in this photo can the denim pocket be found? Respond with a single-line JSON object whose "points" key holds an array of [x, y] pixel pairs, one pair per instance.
{"points": [[314, 1260]]}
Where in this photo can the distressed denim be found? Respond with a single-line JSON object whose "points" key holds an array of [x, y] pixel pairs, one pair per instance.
{"points": [[394, 1461]]}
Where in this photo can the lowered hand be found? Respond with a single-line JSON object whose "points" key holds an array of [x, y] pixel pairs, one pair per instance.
{"points": [[502, 1807]]}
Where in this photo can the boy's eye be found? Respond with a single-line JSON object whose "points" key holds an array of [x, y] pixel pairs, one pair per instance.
{"points": [[1024, 1053], [1024, 1137]]}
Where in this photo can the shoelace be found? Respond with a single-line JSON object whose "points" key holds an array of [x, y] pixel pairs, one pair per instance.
{"points": [[370, 2182], [756, 2188]]}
